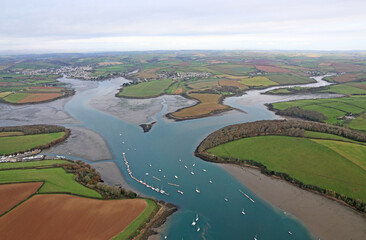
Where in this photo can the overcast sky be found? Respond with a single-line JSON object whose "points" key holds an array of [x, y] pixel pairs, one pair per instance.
{"points": [[119, 25]]}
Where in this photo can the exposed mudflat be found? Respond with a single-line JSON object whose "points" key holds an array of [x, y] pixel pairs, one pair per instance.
{"points": [[82, 143], [325, 218]]}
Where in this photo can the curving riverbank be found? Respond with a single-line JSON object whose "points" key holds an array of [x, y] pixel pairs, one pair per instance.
{"points": [[326, 219]]}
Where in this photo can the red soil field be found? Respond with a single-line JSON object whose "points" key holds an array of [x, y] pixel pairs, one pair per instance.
{"points": [[46, 87], [61, 216], [348, 77], [184, 64], [178, 91], [39, 97], [271, 69], [12, 194], [346, 67], [262, 61], [3, 84]]}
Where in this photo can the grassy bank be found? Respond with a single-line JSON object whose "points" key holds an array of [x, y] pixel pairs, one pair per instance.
{"points": [[146, 89], [13, 144], [55, 180], [332, 165]]}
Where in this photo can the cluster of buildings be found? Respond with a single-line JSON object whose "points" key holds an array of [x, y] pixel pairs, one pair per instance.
{"points": [[76, 72], [184, 75], [23, 157]]}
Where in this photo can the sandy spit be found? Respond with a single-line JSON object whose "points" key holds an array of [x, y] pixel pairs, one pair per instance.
{"points": [[325, 218]]}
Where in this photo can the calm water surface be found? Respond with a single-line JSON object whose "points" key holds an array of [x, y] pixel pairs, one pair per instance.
{"points": [[219, 204]]}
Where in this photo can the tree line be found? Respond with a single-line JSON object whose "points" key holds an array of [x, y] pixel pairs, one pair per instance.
{"points": [[34, 129], [89, 177]]}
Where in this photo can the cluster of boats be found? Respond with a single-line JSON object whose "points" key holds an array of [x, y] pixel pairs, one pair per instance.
{"points": [[161, 191], [194, 222]]}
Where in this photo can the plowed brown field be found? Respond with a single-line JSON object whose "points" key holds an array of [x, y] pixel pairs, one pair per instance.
{"points": [[39, 97], [12, 194], [348, 77], [232, 83], [58, 216], [46, 88], [208, 103], [271, 69]]}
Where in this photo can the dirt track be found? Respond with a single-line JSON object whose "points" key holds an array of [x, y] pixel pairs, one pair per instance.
{"points": [[59, 216]]}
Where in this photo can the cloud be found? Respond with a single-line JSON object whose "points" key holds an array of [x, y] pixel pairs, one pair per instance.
{"points": [[54, 25]]}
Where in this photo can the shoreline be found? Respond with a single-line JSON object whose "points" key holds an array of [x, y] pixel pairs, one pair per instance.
{"points": [[325, 218]]}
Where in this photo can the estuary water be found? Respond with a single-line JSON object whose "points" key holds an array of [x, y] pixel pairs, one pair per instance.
{"points": [[163, 158]]}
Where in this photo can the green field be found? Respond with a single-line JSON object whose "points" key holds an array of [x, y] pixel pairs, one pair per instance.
{"points": [[306, 160], [311, 134], [344, 89], [257, 81], [56, 180], [15, 97], [140, 220], [358, 123], [146, 89], [353, 152], [283, 78], [333, 108], [31, 164], [9, 145]]}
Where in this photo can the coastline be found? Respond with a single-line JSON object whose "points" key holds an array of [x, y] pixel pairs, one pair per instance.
{"points": [[325, 218]]}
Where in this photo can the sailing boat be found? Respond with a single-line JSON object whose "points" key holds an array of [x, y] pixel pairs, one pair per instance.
{"points": [[197, 191]]}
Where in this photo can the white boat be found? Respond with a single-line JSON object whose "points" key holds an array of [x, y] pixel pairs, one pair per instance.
{"points": [[226, 200], [159, 170], [146, 174], [210, 181], [192, 172], [193, 164], [289, 232], [242, 212], [198, 229], [185, 166], [197, 191], [165, 237], [180, 160], [150, 165], [193, 223], [180, 192], [204, 170], [255, 237], [162, 191], [176, 177], [197, 218]]}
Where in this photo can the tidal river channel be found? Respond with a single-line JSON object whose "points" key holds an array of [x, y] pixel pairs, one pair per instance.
{"points": [[163, 158]]}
